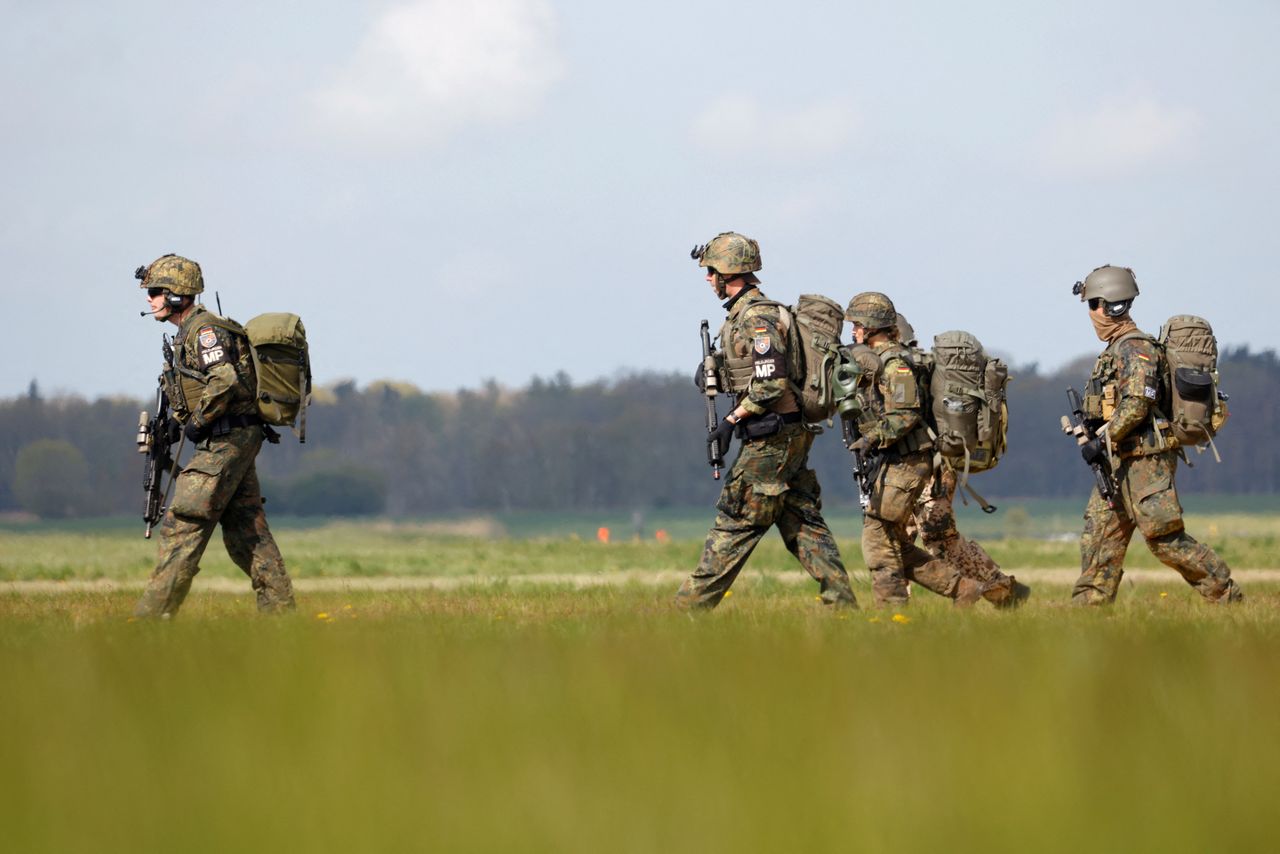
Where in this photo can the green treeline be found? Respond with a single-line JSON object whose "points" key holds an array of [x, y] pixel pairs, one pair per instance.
{"points": [[634, 442]]}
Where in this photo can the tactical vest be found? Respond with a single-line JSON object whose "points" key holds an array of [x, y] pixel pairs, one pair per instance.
{"points": [[1103, 396], [736, 355], [185, 385]]}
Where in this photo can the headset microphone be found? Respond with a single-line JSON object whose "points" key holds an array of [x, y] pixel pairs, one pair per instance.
{"points": [[148, 313]]}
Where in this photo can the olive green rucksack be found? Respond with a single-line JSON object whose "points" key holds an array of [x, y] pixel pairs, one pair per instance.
{"points": [[1191, 401], [278, 344], [813, 352], [970, 409]]}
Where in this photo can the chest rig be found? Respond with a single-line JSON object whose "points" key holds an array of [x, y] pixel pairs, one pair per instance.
{"points": [[1103, 395]]}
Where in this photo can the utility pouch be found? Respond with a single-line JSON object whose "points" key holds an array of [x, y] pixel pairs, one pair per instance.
{"points": [[760, 426]]}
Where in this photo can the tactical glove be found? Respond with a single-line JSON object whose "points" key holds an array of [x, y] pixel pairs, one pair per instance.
{"points": [[197, 433], [723, 433], [861, 446], [1093, 450], [172, 430]]}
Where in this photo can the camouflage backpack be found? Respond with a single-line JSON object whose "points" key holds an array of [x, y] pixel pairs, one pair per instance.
{"points": [[970, 410], [1192, 403]]}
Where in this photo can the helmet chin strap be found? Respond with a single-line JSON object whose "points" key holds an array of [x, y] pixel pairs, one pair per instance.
{"points": [[721, 291]]}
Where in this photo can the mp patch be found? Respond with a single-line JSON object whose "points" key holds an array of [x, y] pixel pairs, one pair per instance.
{"points": [[212, 356], [208, 338]]}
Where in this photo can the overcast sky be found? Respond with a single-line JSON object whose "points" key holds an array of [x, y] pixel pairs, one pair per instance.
{"points": [[450, 191]]}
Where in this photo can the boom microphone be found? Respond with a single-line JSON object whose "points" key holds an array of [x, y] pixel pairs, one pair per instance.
{"points": [[149, 313]]}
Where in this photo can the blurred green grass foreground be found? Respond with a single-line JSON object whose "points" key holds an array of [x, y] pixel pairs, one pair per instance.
{"points": [[503, 715]]}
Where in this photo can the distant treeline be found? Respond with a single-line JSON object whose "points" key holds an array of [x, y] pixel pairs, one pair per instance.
{"points": [[635, 442]]}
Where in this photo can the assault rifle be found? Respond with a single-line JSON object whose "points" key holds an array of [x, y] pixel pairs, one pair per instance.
{"points": [[1077, 425], [711, 388], [156, 442]]}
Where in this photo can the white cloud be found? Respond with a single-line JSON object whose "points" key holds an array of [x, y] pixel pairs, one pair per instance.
{"points": [[1124, 135], [427, 68], [738, 123]]}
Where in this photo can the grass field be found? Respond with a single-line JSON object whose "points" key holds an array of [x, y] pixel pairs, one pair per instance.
{"points": [[515, 716], [531, 544]]}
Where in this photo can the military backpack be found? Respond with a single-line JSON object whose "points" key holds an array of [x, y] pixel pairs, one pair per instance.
{"points": [[813, 350], [281, 363], [969, 408], [812, 328], [1191, 401]]}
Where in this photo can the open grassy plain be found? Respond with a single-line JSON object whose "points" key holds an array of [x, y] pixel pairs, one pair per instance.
{"points": [[513, 714]]}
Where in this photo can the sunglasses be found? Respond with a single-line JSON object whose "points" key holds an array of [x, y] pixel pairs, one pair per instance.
{"points": [[157, 292]]}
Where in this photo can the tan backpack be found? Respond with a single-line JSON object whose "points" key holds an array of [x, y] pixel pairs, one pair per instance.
{"points": [[969, 404], [1192, 403]]}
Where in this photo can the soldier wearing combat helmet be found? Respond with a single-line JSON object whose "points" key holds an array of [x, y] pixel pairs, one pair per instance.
{"points": [[1123, 404], [894, 436], [211, 386], [770, 482]]}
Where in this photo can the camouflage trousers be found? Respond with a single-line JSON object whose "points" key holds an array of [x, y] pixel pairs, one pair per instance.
{"points": [[219, 485], [1147, 500], [935, 518], [888, 547], [769, 485]]}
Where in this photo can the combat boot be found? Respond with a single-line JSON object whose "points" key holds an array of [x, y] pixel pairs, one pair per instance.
{"points": [[1018, 594]]}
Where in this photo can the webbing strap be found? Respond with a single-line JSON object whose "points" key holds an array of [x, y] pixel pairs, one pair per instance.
{"points": [[987, 507]]}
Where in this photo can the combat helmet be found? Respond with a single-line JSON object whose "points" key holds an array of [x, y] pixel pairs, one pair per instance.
{"points": [[729, 254], [1115, 286], [174, 273], [872, 310], [906, 332]]}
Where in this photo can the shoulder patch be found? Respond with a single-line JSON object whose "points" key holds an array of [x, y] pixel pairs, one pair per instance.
{"points": [[211, 352], [761, 344]]}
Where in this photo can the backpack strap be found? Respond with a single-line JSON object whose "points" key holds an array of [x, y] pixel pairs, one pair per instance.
{"points": [[987, 507], [962, 482]]}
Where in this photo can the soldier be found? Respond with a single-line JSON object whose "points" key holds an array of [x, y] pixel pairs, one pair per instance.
{"points": [[935, 519], [1123, 396], [893, 433], [211, 386], [770, 482]]}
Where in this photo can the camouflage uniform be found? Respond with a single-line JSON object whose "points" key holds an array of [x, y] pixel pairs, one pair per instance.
{"points": [[892, 421], [936, 520], [211, 386], [1123, 391], [770, 482]]}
